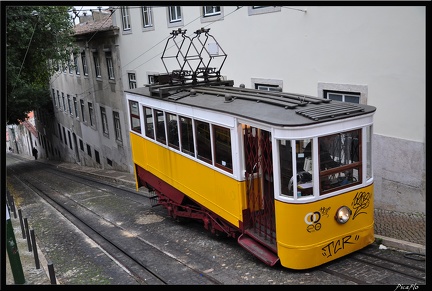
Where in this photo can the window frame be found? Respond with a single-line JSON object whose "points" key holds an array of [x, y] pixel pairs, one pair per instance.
{"points": [[134, 116], [110, 65], [84, 63], [343, 96], [228, 166], [147, 18], [204, 151], [212, 11], [187, 133], [125, 19], [54, 97], [69, 104], [91, 113], [353, 165], [104, 120], [64, 102], [148, 122], [117, 126], [159, 125], [178, 20], [77, 69], [172, 130], [256, 10], [211, 16], [58, 99], [132, 80], [98, 71], [82, 110]]}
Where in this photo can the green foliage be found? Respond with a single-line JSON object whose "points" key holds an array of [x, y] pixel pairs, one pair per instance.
{"points": [[36, 38]]}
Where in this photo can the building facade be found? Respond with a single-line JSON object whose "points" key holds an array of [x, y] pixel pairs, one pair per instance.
{"points": [[90, 126], [365, 54]]}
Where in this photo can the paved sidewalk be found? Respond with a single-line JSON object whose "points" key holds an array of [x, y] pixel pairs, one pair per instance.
{"points": [[398, 230]]}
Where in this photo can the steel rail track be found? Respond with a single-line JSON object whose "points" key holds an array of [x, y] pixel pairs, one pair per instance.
{"points": [[115, 249]]}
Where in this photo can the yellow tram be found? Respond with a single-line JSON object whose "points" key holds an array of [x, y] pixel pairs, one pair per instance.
{"points": [[288, 175]]}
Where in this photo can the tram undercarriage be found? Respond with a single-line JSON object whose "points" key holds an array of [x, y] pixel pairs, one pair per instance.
{"points": [[181, 206]]}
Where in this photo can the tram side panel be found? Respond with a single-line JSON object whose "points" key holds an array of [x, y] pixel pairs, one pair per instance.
{"points": [[308, 234], [215, 191]]}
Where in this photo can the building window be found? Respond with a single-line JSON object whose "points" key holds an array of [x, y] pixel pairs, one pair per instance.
{"points": [[97, 65], [147, 17], [70, 140], [75, 107], [97, 158], [104, 121], [69, 104], [58, 99], [267, 87], [81, 144], [89, 150], [346, 92], [254, 10], [60, 132], [91, 113], [110, 65], [342, 96], [135, 116], [267, 84], [132, 80], [117, 126], [64, 135], [211, 13], [211, 10], [151, 79], [125, 18], [109, 162], [64, 102], [54, 97], [175, 15], [82, 110], [77, 71], [84, 63]]}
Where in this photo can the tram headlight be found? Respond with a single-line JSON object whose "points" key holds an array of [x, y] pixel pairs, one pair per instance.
{"points": [[343, 214]]}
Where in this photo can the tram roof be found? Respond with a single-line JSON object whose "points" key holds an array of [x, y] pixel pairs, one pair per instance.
{"points": [[276, 108]]}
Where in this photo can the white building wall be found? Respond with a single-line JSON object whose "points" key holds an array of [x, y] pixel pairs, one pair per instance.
{"points": [[379, 50]]}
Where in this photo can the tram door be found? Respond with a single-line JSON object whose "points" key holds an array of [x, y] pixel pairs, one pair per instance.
{"points": [[259, 182]]}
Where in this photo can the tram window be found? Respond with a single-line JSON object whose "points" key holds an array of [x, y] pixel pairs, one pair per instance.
{"points": [[148, 122], [203, 141], [134, 116], [286, 170], [160, 126], [186, 135], [341, 165], [222, 144], [173, 137], [302, 181]]}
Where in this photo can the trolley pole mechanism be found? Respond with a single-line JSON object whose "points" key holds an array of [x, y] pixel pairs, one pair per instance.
{"points": [[12, 250]]}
